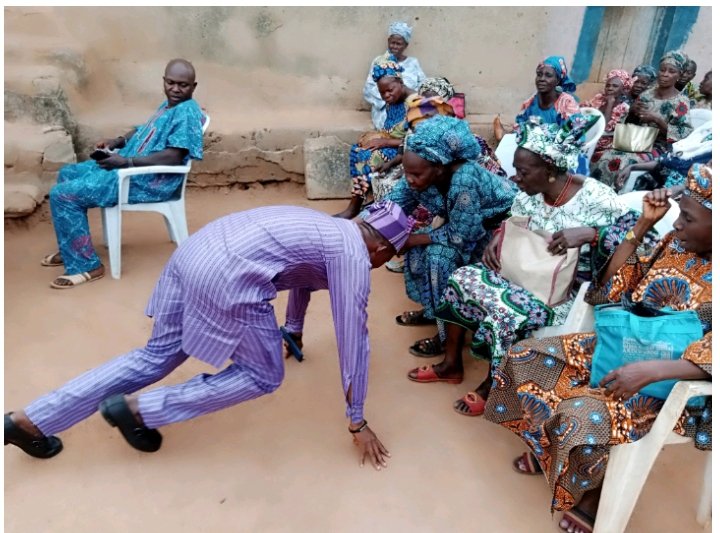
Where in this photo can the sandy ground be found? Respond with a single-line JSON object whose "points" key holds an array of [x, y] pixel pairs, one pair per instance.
{"points": [[284, 462]]}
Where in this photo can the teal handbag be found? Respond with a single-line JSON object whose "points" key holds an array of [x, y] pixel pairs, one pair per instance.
{"points": [[633, 332]]}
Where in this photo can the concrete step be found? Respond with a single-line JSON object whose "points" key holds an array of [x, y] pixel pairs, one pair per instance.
{"points": [[34, 153]]}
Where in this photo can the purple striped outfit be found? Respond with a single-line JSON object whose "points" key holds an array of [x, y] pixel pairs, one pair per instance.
{"points": [[212, 301]]}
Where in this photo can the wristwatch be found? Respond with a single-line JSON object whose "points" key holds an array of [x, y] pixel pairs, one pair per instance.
{"points": [[630, 237]]}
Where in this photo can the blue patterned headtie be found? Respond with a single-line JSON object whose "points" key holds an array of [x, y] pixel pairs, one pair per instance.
{"points": [[386, 65], [699, 185]]}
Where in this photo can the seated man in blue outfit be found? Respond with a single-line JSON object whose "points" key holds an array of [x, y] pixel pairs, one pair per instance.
{"points": [[172, 136]]}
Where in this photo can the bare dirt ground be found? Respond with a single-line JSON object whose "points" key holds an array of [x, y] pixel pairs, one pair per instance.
{"points": [[283, 462]]}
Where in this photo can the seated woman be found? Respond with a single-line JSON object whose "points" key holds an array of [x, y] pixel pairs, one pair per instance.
{"points": [[704, 98], [377, 147], [545, 382], [432, 100], [399, 34], [441, 174], [685, 84], [613, 103], [662, 107], [498, 312], [553, 102], [643, 77], [671, 169]]}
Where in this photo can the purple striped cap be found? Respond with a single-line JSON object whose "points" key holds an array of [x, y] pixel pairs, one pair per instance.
{"points": [[390, 221]]}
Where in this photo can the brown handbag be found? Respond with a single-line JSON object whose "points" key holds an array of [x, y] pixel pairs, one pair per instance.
{"points": [[634, 138], [525, 261]]}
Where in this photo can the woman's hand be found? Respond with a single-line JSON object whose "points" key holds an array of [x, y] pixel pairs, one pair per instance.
{"points": [[569, 238], [385, 167], [490, 257], [624, 382], [360, 186], [638, 107], [375, 144], [656, 204], [622, 177], [370, 446], [651, 118]]}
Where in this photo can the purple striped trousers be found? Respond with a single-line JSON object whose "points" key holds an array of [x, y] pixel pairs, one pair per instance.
{"points": [[257, 368]]}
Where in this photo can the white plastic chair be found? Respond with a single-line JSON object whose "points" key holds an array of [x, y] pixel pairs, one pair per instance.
{"points": [[699, 117], [173, 210], [505, 153], [593, 135], [630, 464]]}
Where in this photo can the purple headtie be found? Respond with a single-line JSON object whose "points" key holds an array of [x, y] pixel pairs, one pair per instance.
{"points": [[390, 221]]}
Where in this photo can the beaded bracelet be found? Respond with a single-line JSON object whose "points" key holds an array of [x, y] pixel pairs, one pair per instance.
{"points": [[361, 428], [596, 237]]}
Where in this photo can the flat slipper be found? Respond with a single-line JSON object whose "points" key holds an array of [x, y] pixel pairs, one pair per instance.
{"points": [[427, 374], [292, 345], [474, 402], [414, 318], [47, 261], [580, 519], [530, 461], [75, 280], [430, 347]]}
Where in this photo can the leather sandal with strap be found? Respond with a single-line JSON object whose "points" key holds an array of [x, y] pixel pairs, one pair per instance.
{"points": [[75, 280], [474, 402], [532, 466], [430, 347], [413, 318], [427, 374], [52, 260]]}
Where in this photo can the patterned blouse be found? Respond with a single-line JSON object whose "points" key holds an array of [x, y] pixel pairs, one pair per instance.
{"points": [[594, 205], [564, 106], [670, 276], [673, 110], [475, 195]]}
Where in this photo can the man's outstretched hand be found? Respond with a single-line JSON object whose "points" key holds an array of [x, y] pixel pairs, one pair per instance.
{"points": [[371, 448]]}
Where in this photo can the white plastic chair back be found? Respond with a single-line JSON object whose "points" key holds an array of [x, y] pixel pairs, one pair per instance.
{"points": [[593, 135], [698, 117], [634, 200], [172, 210], [505, 153], [630, 464]]}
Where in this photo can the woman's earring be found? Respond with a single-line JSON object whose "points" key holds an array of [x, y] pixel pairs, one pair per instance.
{"points": [[558, 89], [551, 179]]}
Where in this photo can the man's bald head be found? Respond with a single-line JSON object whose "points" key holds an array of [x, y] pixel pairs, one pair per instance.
{"points": [[179, 81], [179, 66]]}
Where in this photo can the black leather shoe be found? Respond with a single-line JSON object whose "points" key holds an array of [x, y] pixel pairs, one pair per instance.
{"points": [[116, 412], [42, 448]]}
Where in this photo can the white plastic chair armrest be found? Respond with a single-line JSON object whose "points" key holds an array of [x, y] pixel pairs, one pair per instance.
{"points": [[154, 169], [124, 173]]}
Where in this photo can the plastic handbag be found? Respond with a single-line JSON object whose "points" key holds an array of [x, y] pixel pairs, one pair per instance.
{"points": [[634, 138], [628, 333], [525, 261]]}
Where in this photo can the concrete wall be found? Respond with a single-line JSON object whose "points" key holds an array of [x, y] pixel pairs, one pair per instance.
{"points": [[699, 43], [252, 59]]}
